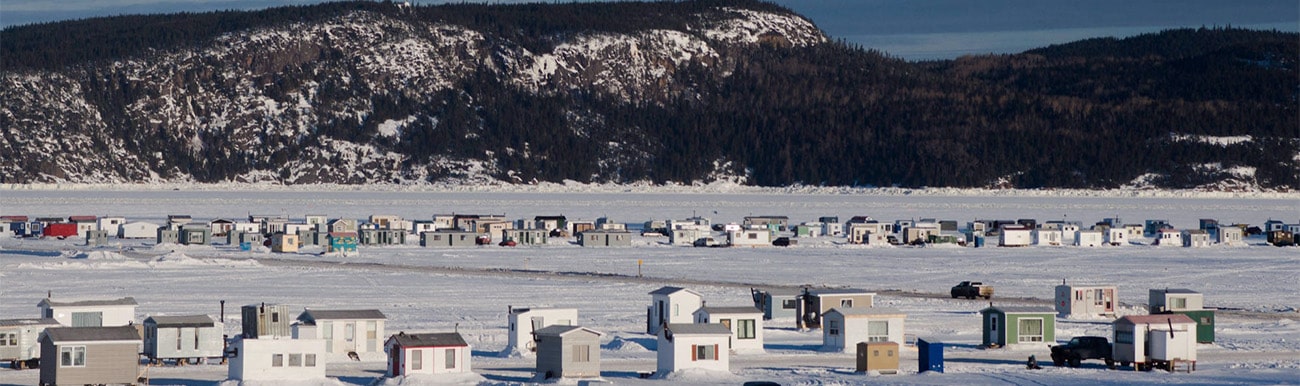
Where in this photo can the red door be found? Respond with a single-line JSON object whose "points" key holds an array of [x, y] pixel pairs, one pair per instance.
{"points": [[397, 364]]}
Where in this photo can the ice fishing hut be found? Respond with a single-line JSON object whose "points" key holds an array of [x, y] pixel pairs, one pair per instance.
{"points": [[90, 313], [90, 355], [276, 358], [1186, 302], [266, 320], [185, 337], [693, 346], [344, 331], [1014, 326], [881, 357], [524, 322], [776, 303], [812, 303], [427, 353], [568, 352], [844, 328], [671, 305], [20, 341], [1154, 340], [1073, 300]]}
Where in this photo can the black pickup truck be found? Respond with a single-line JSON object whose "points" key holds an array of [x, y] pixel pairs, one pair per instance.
{"points": [[1080, 348]]}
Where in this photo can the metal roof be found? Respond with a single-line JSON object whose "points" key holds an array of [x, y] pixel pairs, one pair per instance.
{"points": [[435, 339], [1155, 319], [1176, 291], [699, 329], [868, 311], [181, 321], [671, 290], [126, 301], [28, 322], [91, 334], [1021, 310], [839, 291], [314, 315], [558, 330], [731, 310]]}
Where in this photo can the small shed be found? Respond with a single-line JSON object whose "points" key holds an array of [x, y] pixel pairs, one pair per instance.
{"points": [[20, 341], [1116, 237], [382, 236], [745, 323], [1167, 237], [523, 322], [1074, 300], [448, 238], [265, 320], [605, 238], [815, 302], [776, 303], [773, 223], [1229, 235], [427, 353], [750, 238], [1196, 238], [1018, 326], [568, 352], [111, 224], [96, 238], [167, 236], [687, 236], [693, 346], [90, 355], [844, 328], [671, 305], [90, 313], [1144, 339], [194, 337], [195, 235], [284, 242], [1186, 302], [526, 236], [1015, 236], [344, 331], [345, 242], [881, 357], [276, 358], [1049, 237]]}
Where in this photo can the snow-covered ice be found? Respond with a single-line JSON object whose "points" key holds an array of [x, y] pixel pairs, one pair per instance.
{"points": [[469, 289]]}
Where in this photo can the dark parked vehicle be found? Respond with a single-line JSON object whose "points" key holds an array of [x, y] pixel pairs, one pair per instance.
{"points": [[971, 290], [784, 242], [1081, 348]]}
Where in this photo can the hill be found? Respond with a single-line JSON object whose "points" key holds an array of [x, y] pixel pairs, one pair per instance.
{"points": [[665, 92]]}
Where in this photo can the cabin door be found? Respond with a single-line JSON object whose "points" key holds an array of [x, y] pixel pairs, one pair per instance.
{"points": [[350, 337]]}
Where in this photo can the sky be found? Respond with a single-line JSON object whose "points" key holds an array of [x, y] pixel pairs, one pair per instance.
{"points": [[910, 29]]}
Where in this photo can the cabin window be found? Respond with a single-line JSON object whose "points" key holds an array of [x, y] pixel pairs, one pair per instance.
{"points": [[1177, 303], [349, 332], [9, 339], [310, 360], [753, 236], [581, 353], [372, 335], [846, 303], [788, 304], [1125, 337], [1031, 330], [277, 360], [745, 329], [993, 323], [877, 331], [178, 338], [677, 309], [451, 358], [417, 359], [705, 352], [833, 327], [196, 339], [295, 360], [72, 356], [725, 323], [275, 317]]}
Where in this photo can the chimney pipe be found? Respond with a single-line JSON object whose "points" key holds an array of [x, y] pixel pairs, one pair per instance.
{"points": [[223, 311]]}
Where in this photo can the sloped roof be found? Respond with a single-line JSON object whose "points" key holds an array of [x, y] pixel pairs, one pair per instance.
{"points": [[91, 334], [1175, 291], [868, 311], [1160, 319], [434, 339], [182, 321], [28, 322], [126, 301], [698, 329], [1021, 310], [731, 310], [672, 290], [558, 330], [309, 316], [839, 291]]}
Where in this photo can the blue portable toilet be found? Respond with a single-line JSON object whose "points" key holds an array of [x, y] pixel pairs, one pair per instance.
{"points": [[929, 356], [245, 246], [979, 241]]}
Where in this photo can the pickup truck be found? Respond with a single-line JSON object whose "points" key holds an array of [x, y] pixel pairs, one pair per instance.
{"points": [[971, 290], [1080, 348]]}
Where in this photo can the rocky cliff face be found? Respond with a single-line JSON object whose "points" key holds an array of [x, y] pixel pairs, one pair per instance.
{"points": [[252, 105]]}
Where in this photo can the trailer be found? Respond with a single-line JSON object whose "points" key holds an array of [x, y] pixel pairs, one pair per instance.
{"points": [[1165, 341], [20, 341], [61, 230]]}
